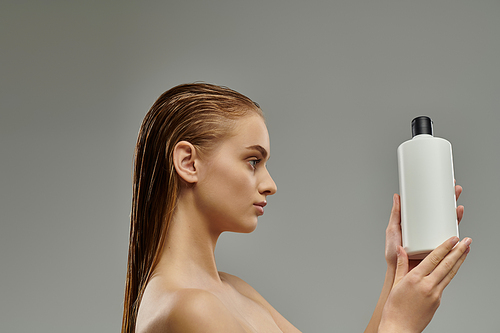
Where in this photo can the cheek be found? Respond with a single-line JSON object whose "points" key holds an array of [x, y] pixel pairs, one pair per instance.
{"points": [[221, 182], [236, 185], [227, 199]]}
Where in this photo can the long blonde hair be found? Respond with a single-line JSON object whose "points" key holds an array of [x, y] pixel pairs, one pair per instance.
{"points": [[202, 114]]}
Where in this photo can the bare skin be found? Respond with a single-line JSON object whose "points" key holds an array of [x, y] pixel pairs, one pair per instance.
{"points": [[226, 191], [223, 192]]}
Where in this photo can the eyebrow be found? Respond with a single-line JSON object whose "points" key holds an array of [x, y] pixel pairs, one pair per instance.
{"points": [[260, 149]]}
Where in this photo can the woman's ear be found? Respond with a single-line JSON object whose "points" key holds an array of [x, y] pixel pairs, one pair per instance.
{"points": [[184, 157]]}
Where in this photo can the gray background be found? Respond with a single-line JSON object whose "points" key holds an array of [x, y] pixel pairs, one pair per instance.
{"points": [[339, 82]]}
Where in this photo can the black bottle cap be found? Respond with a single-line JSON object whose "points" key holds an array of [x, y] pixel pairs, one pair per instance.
{"points": [[421, 125]]}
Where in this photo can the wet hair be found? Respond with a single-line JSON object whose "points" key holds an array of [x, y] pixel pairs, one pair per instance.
{"points": [[202, 114]]}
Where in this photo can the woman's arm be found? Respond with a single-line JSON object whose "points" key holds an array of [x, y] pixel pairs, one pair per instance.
{"points": [[392, 241], [377, 314]]}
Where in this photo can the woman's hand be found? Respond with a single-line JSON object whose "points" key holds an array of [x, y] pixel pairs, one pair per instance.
{"points": [[393, 242], [416, 294], [393, 238]]}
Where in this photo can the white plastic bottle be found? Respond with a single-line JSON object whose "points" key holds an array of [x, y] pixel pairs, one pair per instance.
{"points": [[427, 189]]}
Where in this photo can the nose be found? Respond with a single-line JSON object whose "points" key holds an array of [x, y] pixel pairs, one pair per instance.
{"points": [[267, 186]]}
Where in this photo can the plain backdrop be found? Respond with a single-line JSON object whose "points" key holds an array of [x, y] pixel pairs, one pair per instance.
{"points": [[339, 82]]}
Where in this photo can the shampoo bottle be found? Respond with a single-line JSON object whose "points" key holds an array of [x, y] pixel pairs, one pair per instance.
{"points": [[427, 189]]}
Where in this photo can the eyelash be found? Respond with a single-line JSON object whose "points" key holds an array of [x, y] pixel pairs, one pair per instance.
{"points": [[254, 161]]}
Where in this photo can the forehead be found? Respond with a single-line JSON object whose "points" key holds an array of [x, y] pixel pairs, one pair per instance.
{"points": [[249, 131]]}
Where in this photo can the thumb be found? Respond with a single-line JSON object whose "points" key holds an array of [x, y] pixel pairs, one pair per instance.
{"points": [[402, 265], [396, 210], [395, 218]]}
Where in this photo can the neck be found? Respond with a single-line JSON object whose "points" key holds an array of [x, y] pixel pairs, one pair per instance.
{"points": [[188, 252]]}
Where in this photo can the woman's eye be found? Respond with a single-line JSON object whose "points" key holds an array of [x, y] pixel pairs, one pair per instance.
{"points": [[254, 163]]}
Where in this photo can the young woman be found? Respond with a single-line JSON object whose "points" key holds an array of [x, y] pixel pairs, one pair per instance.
{"points": [[200, 170]]}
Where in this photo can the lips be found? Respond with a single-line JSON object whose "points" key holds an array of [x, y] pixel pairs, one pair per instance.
{"points": [[260, 207]]}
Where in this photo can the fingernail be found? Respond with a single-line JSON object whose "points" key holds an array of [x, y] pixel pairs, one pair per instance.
{"points": [[468, 241], [454, 240]]}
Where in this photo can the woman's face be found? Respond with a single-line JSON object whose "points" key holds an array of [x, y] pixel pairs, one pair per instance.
{"points": [[234, 182]]}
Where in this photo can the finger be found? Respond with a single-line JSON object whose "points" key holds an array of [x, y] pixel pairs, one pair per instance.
{"points": [[462, 250], [394, 226], [395, 218], [435, 257], [402, 265], [393, 231], [460, 213], [460, 209], [458, 191]]}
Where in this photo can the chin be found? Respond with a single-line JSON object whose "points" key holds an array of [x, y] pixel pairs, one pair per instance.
{"points": [[242, 226], [247, 227], [249, 230]]}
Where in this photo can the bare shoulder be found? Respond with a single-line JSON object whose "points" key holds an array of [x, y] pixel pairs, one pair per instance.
{"points": [[245, 289], [241, 286], [192, 310]]}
